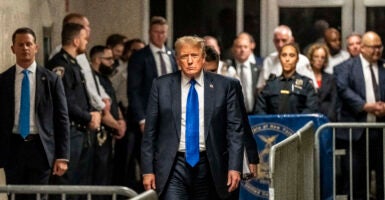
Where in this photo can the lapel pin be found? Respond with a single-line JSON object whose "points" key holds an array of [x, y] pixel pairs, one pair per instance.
{"points": [[211, 85], [43, 78]]}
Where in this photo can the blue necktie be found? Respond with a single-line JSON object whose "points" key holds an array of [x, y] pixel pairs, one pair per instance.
{"points": [[192, 126], [24, 106]]}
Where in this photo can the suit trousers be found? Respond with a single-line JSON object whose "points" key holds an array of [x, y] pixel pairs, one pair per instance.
{"points": [[190, 183], [27, 164]]}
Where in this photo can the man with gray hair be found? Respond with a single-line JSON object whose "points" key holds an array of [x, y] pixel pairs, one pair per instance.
{"points": [[271, 65]]}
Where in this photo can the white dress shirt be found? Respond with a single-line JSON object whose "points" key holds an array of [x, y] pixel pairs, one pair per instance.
{"points": [[199, 87], [165, 55], [369, 92], [32, 84], [336, 59]]}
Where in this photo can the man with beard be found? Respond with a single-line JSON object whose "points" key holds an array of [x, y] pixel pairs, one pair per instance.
{"points": [[82, 117], [113, 123], [333, 40]]}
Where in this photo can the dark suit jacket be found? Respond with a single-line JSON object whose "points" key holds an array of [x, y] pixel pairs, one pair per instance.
{"points": [[50, 109], [222, 129], [327, 97], [351, 90], [141, 71], [256, 71]]}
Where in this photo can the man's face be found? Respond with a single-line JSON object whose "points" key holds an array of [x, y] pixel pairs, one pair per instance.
{"points": [[333, 41], [211, 66], [24, 48], [281, 39], [83, 41], [242, 49], [190, 60], [158, 34], [117, 51], [107, 59], [371, 48], [354, 45]]}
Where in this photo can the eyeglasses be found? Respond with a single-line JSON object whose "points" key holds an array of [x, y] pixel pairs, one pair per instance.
{"points": [[375, 47]]}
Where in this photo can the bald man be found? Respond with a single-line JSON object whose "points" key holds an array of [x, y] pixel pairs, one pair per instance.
{"points": [[333, 40], [362, 100], [271, 65]]}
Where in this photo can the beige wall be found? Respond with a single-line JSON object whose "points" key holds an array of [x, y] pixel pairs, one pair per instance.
{"points": [[106, 17]]}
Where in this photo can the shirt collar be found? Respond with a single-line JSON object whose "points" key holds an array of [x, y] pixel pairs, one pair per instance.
{"points": [[198, 79], [155, 49], [31, 68]]}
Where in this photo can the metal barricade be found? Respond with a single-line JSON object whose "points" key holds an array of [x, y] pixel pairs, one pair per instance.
{"points": [[292, 166], [70, 190], [350, 127]]}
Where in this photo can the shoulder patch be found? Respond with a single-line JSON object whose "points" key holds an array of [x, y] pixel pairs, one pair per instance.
{"points": [[59, 70]]}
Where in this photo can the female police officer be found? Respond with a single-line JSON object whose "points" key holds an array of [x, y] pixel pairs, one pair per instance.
{"points": [[289, 93]]}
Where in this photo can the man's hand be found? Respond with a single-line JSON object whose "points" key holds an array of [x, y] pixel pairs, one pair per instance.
{"points": [[121, 131], [233, 179], [141, 127], [149, 181], [60, 167], [96, 118], [253, 169]]}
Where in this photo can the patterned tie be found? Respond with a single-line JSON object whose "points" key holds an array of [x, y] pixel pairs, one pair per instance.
{"points": [[163, 69], [192, 126], [24, 106]]}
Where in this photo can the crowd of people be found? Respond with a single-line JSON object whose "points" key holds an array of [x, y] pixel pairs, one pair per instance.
{"points": [[148, 116]]}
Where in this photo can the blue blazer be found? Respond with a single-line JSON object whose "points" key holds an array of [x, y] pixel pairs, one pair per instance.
{"points": [[141, 71], [351, 90], [223, 128], [50, 109]]}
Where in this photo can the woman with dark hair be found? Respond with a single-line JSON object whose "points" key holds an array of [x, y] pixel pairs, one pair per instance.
{"points": [[290, 92], [327, 90]]}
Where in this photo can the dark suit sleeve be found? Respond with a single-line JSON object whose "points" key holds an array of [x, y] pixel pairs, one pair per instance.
{"points": [[61, 120], [135, 81], [234, 128], [147, 147], [261, 107], [345, 92], [248, 139]]}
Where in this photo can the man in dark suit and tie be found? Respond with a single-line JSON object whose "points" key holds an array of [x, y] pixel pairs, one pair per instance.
{"points": [[192, 145], [360, 84], [152, 61], [248, 71], [34, 128]]}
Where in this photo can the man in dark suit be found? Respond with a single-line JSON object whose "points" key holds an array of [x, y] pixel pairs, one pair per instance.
{"points": [[152, 61], [145, 65], [360, 84], [192, 146], [34, 128], [248, 71]]}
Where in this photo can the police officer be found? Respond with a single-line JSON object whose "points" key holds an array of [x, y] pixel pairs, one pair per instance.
{"points": [[289, 93], [83, 120]]}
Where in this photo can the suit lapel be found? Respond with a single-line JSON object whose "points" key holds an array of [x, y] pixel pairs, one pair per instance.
{"points": [[358, 75], [9, 85], [381, 79], [150, 62], [175, 91], [40, 82], [209, 94]]}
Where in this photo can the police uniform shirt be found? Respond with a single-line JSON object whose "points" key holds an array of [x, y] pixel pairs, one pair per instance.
{"points": [[292, 95], [64, 65]]}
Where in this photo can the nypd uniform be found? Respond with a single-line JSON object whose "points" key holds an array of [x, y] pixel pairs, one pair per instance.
{"points": [[293, 95], [64, 65]]}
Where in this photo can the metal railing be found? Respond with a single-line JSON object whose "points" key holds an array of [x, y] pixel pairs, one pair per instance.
{"points": [[292, 166], [349, 126], [69, 190]]}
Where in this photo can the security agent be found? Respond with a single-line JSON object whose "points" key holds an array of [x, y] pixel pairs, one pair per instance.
{"points": [[83, 119], [289, 93]]}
